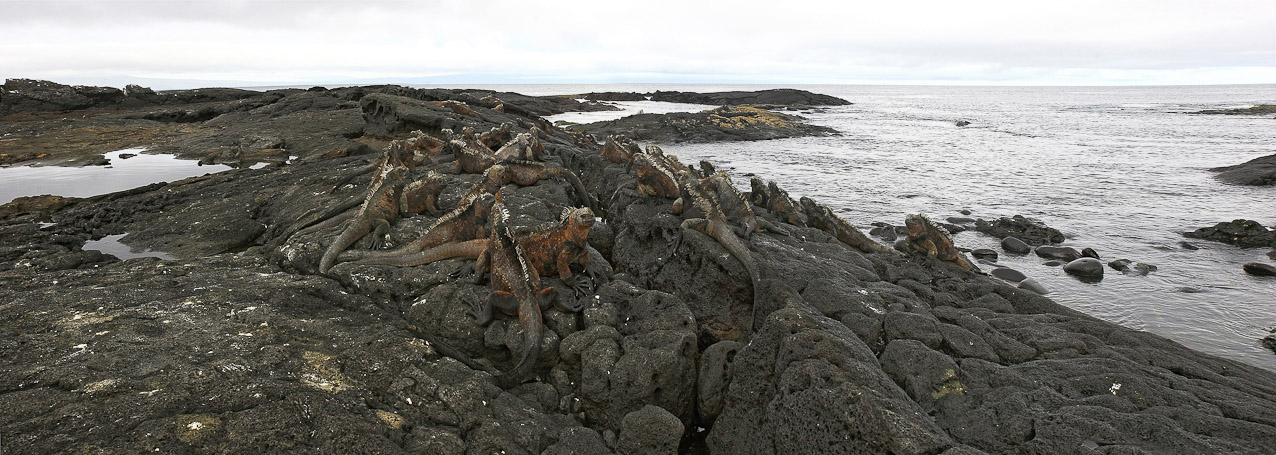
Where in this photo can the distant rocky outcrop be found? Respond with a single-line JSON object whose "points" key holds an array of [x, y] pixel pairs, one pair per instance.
{"points": [[740, 123], [783, 96], [34, 96], [1262, 109], [1259, 171]]}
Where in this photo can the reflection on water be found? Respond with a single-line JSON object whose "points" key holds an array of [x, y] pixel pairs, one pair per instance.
{"points": [[111, 245], [121, 174]]}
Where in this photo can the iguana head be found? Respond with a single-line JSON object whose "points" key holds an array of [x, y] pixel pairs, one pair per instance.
{"points": [[581, 216], [916, 224]]}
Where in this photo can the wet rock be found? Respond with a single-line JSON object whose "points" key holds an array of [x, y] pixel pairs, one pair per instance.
{"points": [[1052, 263], [964, 212], [1056, 252], [1259, 269], [1034, 286], [984, 253], [962, 123], [1189, 246], [740, 123], [1242, 233], [1014, 245], [1029, 230], [960, 220], [1090, 253], [1129, 267], [650, 430], [1269, 341], [1085, 268], [1259, 171], [1008, 274], [1272, 254]]}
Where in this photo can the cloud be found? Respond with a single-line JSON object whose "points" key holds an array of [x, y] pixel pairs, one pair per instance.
{"points": [[794, 42]]}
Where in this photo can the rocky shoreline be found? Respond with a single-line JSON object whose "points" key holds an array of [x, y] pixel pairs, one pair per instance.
{"points": [[838, 346]]}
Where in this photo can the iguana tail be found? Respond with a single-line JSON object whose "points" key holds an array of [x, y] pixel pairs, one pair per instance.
{"points": [[723, 234], [529, 317], [579, 188], [355, 231], [357, 172], [470, 249]]}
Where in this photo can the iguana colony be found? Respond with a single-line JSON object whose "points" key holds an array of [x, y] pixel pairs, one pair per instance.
{"points": [[479, 227]]}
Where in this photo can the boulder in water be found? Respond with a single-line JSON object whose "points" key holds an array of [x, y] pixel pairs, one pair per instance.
{"points": [[1259, 269], [984, 253], [1090, 253], [1085, 268], [1014, 245], [1062, 253], [1031, 231], [1242, 233]]}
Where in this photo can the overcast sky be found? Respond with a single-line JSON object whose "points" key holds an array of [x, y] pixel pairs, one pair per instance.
{"points": [[171, 44]]}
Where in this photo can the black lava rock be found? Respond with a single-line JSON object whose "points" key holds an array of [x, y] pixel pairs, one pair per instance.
{"points": [[984, 253], [1090, 253], [1031, 231], [1259, 171], [1242, 233]]}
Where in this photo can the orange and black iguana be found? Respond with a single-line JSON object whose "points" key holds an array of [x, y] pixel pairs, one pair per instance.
{"points": [[821, 217], [733, 205], [380, 208], [552, 248], [422, 196], [619, 149], [713, 222], [468, 221], [933, 241], [516, 289]]}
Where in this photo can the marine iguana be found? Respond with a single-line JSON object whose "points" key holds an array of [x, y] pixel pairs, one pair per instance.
{"points": [[468, 221], [423, 195], [524, 147], [380, 208], [929, 239], [773, 198], [516, 289], [396, 154], [821, 217], [713, 222], [707, 169], [653, 178], [619, 149], [497, 136], [470, 160]]}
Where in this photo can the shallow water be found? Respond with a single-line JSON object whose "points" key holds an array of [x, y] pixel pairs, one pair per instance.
{"points": [[1118, 169], [111, 245], [120, 175]]}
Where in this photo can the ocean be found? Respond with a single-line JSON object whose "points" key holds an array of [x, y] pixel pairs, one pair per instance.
{"points": [[1118, 169]]}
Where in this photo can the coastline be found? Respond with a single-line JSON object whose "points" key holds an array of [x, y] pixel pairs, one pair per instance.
{"points": [[873, 345]]}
